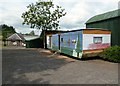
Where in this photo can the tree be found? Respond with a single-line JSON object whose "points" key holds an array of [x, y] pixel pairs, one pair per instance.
{"points": [[43, 15], [6, 31]]}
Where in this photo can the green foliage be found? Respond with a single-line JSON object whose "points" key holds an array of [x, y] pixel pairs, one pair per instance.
{"points": [[43, 15], [6, 31], [111, 54]]}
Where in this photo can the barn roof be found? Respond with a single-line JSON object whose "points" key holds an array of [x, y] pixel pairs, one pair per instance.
{"points": [[15, 37], [104, 16]]}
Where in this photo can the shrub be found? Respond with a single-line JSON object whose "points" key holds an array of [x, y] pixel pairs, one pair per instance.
{"points": [[111, 54]]}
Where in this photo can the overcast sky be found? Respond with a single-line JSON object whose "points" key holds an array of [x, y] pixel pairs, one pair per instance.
{"points": [[78, 12]]}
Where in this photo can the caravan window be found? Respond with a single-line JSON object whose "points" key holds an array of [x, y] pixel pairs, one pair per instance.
{"points": [[61, 39], [97, 40]]}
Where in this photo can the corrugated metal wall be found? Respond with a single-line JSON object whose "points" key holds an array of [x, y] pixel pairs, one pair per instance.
{"points": [[111, 24]]}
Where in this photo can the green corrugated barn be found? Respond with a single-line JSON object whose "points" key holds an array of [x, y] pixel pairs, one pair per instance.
{"points": [[109, 20]]}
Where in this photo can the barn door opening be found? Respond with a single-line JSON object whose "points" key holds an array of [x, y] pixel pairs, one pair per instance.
{"points": [[50, 42]]}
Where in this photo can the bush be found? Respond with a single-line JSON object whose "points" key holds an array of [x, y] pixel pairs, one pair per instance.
{"points": [[111, 54]]}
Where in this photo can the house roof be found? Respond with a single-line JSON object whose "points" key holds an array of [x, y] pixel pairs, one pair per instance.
{"points": [[16, 37], [104, 16]]}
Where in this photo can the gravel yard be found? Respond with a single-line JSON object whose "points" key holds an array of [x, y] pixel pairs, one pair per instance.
{"points": [[39, 66]]}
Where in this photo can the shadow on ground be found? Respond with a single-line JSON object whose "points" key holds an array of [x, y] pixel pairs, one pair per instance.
{"points": [[18, 64]]}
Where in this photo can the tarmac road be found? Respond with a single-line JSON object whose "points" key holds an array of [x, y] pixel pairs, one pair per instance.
{"points": [[38, 66]]}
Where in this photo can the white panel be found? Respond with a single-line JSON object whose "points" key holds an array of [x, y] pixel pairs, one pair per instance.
{"points": [[88, 39], [107, 39], [47, 40]]}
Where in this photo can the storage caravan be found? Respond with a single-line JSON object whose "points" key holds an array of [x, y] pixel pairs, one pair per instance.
{"points": [[80, 43]]}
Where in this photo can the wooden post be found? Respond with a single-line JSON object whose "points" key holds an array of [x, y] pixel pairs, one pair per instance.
{"points": [[59, 41], [44, 38]]}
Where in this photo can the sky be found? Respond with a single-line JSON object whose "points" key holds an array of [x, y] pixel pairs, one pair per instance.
{"points": [[78, 12]]}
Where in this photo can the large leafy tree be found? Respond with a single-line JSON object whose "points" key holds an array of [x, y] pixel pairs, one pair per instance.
{"points": [[43, 15]]}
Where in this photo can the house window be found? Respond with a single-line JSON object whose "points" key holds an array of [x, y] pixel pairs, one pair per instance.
{"points": [[97, 40]]}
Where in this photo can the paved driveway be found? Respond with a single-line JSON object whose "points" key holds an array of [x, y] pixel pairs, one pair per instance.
{"points": [[38, 66]]}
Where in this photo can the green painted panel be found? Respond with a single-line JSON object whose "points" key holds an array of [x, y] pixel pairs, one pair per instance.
{"points": [[67, 51], [78, 45], [70, 52], [55, 47]]}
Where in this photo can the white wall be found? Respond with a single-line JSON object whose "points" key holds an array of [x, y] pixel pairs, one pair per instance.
{"points": [[47, 39], [88, 39]]}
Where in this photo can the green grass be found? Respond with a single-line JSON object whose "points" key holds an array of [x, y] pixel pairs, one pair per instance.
{"points": [[2, 46]]}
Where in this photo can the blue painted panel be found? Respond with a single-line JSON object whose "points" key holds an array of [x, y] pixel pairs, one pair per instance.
{"points": [[65, 40], [55, 40], [70, 39]]}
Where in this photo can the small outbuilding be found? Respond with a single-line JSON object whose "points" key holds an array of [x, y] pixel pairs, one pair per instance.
{"points": [[79, 43], [40, 42], [16, 39]]}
